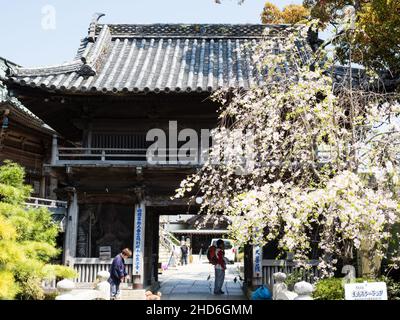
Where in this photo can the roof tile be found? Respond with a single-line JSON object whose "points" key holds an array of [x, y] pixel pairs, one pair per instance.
{"points": [[155, 58]]}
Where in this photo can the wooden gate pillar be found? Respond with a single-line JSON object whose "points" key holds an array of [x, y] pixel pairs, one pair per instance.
{"points": [[71, 231]]}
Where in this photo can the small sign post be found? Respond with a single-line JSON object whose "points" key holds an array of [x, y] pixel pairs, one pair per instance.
{"points": [[366, 291]]}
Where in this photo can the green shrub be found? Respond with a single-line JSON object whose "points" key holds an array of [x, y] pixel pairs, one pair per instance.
{"points": [[31, 289], [27, 240], [50, 295], [329, 289], [393, 288], [333, 289], [297, 275], [59, 272]]}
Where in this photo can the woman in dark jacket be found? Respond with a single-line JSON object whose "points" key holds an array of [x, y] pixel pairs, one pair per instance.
{"points": [[117, 272]]}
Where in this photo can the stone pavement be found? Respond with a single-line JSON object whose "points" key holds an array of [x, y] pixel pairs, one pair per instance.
{"points": [[196, 282]]}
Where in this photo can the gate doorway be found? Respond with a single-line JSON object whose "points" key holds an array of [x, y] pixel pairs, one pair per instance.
{"points": [[194, 280]]}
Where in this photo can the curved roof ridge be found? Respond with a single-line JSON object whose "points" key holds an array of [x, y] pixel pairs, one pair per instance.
{"points": [[86, 64], [207, 30], [47, 70]]}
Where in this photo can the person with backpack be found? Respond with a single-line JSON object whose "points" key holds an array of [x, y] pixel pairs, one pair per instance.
{"points": [[184, 252], [216, 256]]}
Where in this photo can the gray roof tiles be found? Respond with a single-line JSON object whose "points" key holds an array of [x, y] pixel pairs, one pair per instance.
{"points": [[154, 58], [32, 119]]}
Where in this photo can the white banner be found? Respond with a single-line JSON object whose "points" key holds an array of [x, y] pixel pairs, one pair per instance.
{"points": [[366, 291], [138, 246]]}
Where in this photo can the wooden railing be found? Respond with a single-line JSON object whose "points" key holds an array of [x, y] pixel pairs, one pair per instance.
{"points": [[87, 268], [269, 267], [162, 156], [140, 156], [47, 203]]}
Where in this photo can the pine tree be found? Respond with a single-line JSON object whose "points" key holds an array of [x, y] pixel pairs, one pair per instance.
{"points": [[27, 240]]}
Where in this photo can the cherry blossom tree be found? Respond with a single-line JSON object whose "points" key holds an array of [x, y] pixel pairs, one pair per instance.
{"points": [[308, 155]]}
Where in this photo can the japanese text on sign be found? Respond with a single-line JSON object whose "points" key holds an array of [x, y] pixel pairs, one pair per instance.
{"points": [[257, 261], [138, 235], [366, 291]]}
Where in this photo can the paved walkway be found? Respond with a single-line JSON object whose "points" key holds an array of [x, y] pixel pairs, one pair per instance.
{"points": [[196, 282]]}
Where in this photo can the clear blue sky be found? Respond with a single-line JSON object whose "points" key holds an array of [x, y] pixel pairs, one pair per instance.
{"points": [[23, 39]]}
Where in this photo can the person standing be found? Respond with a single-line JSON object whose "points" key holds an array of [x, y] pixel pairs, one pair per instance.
{"points": [[184, 253], [118, 273], [220, 267]]}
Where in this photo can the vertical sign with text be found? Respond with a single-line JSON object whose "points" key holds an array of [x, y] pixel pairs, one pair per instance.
{"points": [[257, 260], [138, 245]]}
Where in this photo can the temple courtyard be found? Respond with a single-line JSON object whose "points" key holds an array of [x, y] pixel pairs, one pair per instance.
{"points": [[195, 281]]}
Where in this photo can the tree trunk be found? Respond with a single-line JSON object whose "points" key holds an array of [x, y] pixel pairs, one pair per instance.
{"points": [[369, 262]]}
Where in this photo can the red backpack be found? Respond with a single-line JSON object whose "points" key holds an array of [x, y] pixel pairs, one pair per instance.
{"points": [[212, 255]]}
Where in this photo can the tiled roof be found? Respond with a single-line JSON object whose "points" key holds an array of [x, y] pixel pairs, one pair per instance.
{"points": [[31, 119], [154, 58], [7, 100]]}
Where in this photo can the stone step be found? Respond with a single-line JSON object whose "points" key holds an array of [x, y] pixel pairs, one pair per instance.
{"points": [[164, 254], [163, 259], [130, 294]]}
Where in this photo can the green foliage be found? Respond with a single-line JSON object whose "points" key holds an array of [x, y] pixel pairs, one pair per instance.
{"points": [[51, 271], [329, 289], [30, 289], [37, 225], [393, 245], [13, 195], [12, 188], [8, 289], [380, 19], [27, 240], [50, 295], [297, 275], [333, 289], [393, 288], [40, 250], [270, 14], [376, 37], [291, 14], [12, 174], [11, 253], [7, 231]]}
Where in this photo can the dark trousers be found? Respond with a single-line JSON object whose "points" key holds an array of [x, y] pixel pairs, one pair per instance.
{"points": [[114, 287], [184, 259]]}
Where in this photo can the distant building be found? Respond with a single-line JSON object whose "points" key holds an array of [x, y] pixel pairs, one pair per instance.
{"points": [[200, 229], [24, 138]]}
